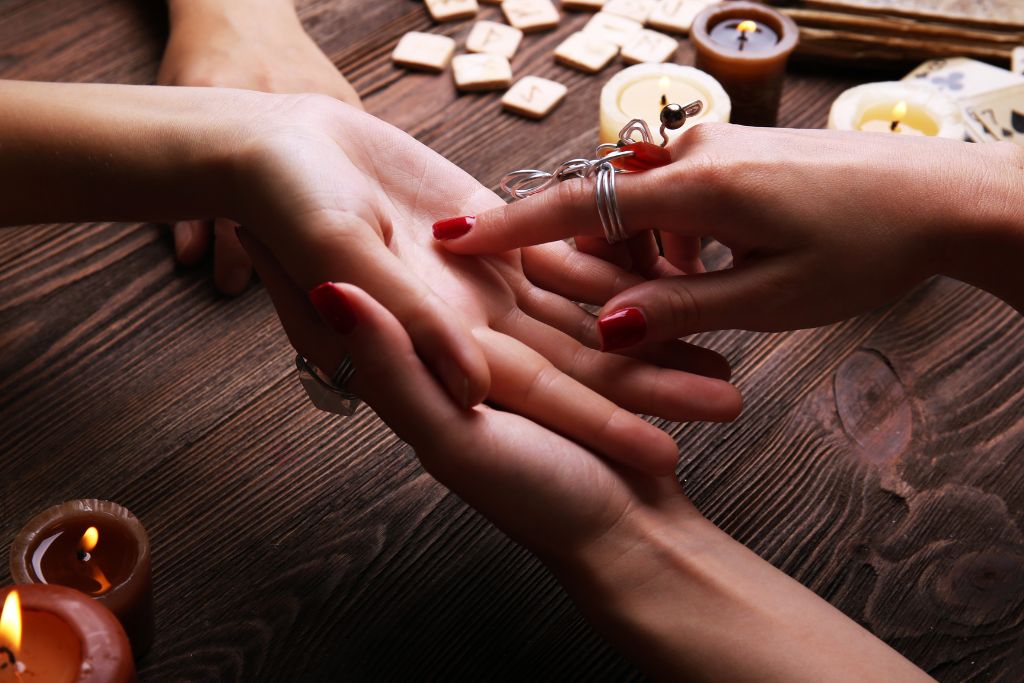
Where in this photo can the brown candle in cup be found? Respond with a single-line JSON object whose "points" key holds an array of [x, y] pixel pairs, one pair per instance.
{"points": [[745, 45], [97, 548], [54, 634]]}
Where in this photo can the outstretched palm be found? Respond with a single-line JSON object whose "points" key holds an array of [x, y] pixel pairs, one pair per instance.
{"points": [[341, 196]]}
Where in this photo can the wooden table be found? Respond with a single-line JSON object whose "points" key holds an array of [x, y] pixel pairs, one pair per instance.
{"points": [[878, 461]]}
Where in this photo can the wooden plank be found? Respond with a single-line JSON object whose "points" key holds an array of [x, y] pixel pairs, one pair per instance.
{"points": [[901, 26], [993, 13], [853, 46]]}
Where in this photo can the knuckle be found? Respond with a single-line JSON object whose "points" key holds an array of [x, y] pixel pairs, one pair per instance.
{"points": [[586, 331], [704, 133], [708, 170], [573, 193], [578, 362], [502, 220], [540, 384], [606, 431], [684, 314]]}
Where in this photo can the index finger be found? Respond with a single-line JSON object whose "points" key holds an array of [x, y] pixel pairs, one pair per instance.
{"points": [[648, 200]]}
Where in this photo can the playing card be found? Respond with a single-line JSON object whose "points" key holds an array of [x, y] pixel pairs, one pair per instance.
{"points": [[996, 116], [962, 79]]}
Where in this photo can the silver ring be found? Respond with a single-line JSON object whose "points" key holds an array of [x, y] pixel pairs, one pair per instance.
{"points": [[330, 394], [608, 205]]}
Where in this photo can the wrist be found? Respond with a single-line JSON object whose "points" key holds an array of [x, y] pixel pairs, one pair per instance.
{"points": [[635, 561], [210, 16], [984, 244], [687, 602]]}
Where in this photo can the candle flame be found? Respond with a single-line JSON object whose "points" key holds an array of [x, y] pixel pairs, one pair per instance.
{"points": [[89, 539], [746, 26], [899, 111], [10, 622], [663, 83]]}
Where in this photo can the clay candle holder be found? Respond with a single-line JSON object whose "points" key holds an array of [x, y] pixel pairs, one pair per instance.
{"points": [[54, 634], [745, 45], [95, 547]]}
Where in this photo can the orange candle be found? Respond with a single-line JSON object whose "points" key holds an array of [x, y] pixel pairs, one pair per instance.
{"points": [[745, 46], [98, 548], [54, 634]]}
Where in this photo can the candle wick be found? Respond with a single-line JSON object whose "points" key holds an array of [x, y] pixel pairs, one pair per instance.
{"points": [[84, 556], [894, 125], [664, 100], [11, 659]]}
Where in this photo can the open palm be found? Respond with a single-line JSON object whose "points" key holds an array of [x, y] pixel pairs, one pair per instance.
{"points": [[338, 195]]}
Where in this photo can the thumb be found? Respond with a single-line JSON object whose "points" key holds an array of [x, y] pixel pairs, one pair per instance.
{"points": [[675, 307]]}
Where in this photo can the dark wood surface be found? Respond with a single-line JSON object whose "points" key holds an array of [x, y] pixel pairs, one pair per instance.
{"points": [[878, 461]]}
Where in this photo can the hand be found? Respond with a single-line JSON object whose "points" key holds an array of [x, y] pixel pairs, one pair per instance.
{"points": [[251, 45], [494, 459], [657, 578], [336, 194], [822, 225], [339, 195]]}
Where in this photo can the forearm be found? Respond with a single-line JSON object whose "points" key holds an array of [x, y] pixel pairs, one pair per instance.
{"points": [[687, 602], [74, 152]]}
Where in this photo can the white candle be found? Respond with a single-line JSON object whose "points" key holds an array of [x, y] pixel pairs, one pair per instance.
{"points": [[897, 108], [640, 92]]}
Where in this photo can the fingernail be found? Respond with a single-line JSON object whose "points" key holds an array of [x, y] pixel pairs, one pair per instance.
{"points": [[184, 233], [645, 156], [331, 303], [622, 328], [450, 228]]}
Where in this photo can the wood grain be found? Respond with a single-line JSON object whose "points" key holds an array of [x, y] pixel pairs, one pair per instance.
{"points": [[863, 31], [879, 461]]}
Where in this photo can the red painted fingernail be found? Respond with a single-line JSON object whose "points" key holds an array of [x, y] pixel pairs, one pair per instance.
{"points": [[645, 156], [450, 228], [622, 328], [331, 303]]}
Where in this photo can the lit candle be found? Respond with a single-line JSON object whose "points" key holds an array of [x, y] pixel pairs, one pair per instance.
{"points": [[897, 108], [98, 548], [641, 91], [745, 46], [895, 123], [54, 634]]}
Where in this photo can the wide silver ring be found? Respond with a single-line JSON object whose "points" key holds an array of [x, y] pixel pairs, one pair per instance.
{"points": [[330, 394], [608, 204]]}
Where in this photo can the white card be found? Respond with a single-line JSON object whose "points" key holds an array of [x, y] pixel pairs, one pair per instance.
{"points": [[961, 78], [996, 116]]}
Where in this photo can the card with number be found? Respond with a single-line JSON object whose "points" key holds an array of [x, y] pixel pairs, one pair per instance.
{"points": [[996, 116]]}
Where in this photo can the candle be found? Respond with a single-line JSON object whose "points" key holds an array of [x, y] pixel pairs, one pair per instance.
{"points": [[98, 548], [54, 634], [641, 91], [745, 46], [897, 108]]}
